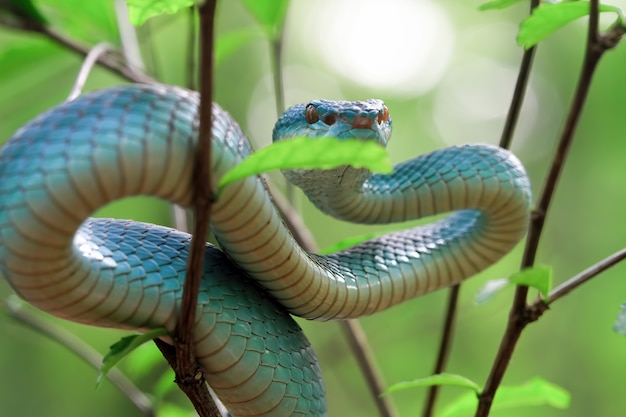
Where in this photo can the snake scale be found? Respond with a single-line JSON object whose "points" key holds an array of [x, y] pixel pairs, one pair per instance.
{"points": [[139, 140]]}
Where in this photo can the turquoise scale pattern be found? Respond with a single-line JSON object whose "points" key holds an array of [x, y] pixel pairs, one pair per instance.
{"points": [[126, 274], [135, 140]]}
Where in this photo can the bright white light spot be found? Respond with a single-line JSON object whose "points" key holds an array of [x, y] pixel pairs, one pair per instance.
{"points": [[402, 46]]}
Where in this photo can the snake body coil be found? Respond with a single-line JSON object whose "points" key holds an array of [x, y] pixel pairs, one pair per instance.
{"points": [[139, 140]]}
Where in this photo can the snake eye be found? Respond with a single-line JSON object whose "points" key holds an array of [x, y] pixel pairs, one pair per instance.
{"points": [[383, 116], [310, 114], [330, 119]]}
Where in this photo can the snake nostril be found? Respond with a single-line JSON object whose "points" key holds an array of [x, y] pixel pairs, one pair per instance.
{"points": [[330, 119]]}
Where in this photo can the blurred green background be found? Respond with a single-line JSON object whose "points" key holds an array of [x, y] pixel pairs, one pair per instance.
{"points": [[446, 72]]}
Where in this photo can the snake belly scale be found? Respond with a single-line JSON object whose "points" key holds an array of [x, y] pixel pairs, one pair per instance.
{"points": [[139, 140]]}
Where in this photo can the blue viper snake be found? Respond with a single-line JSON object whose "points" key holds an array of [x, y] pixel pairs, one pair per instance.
{"points": [[140, 140]]}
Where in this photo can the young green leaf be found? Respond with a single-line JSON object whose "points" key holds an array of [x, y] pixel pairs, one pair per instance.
{"points": [[348, 243], [307, 153], [123, 347], [141, 10], [269, 13], [549, 17], [533, 393], [497, 4], [620, 323], [490, 289], [439, 379], [538, 277]]}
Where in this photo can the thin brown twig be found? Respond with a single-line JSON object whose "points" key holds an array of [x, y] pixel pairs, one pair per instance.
{"points": [[364, 356], [506, 139], [110, 61], [444, 348], [584, 276], [189, 377], [520, 315], [74, 344]]}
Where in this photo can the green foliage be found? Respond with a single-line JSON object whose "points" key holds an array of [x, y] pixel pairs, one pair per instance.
{"points": [[538, 277], [620, 323], [535, 392], [446, 379], [141, 10], [549, 17], [123, 347], [306, 153], [270, 14]]}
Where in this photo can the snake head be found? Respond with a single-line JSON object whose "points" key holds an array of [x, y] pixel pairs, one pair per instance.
{"points": [[364, 120]]}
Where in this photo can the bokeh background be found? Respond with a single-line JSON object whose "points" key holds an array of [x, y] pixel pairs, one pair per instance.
{"points": [[446, 72]]}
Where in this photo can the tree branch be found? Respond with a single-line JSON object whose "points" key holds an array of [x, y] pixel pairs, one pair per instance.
{"points": [[521, 314], [444, 348], [576, 281], [189, 376]]}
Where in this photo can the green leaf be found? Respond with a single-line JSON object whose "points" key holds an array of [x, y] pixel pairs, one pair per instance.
{"points": [[141, 10], [348, 243], [538, 277], [490, 289], [307, 153], [123, 347], [549, 17], [497, 4], [439, 379], [620, 323], [269, 13], [228, 43], [533, 393]]}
